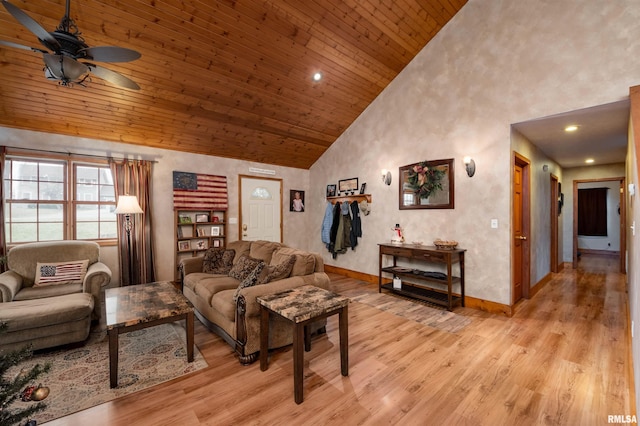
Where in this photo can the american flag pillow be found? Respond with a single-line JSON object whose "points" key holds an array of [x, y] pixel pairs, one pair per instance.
{"points": [[61, 273]]}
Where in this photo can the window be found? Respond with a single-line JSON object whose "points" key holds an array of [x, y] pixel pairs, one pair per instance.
{"points": [[50, 200]]}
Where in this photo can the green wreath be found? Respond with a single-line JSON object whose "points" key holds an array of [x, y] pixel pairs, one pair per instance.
{"points": [[424, 180]]}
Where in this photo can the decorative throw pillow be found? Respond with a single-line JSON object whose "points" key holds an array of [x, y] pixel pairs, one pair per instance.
{"points": [[243, 267], [277, 272], [218, 261], [72, 272], [250, 280]]}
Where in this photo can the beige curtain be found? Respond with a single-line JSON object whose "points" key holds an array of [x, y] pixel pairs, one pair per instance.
{"points": [[3, 239], [133, 177]]}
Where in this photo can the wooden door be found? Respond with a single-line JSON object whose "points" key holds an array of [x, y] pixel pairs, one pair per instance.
{"points": [[260, 209], [520, 230], [554, 212]]}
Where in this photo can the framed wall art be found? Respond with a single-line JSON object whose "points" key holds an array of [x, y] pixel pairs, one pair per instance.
{"points": [[427, 185], [348, 185], [331, 190], [297, 200]]}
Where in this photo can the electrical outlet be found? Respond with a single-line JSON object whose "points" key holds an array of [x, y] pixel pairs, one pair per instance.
{"points": [[494, 223]]}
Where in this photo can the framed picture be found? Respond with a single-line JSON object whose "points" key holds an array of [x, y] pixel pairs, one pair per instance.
{"points": [[216, 243], [184, 246], [201, 232], [203, 217], [215, 219], [427, 185], [201, 245], [348, 185], [184, 219], [215, 231], [331, 190], [297, 200], [362, 187]]}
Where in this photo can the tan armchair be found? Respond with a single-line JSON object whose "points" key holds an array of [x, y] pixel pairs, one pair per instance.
{"points": [[17, 284]]}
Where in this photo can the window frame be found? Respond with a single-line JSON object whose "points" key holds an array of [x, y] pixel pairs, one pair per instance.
{"points": [[69, 220]]}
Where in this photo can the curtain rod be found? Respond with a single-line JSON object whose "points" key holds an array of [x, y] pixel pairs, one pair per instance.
{"points": [[75, 154]]}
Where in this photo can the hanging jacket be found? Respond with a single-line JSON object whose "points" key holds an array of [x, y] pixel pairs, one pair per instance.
{"points": [[334, 228], [325, 233], [356, 225]]}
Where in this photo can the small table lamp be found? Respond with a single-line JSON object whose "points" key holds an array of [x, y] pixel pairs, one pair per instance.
{"points": [[128, 205]]}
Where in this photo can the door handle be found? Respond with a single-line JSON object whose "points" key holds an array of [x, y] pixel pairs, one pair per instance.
{"points": [[521, 237]]}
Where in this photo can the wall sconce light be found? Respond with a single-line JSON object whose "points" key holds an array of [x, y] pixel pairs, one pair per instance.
{"points": [[386, 176], [470, 165]]}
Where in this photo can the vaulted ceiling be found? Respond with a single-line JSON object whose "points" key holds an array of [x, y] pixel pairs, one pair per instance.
{"points": [[224, 78]]}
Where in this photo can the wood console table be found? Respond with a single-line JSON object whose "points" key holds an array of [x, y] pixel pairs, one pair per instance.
{"points": [[422, 288]]}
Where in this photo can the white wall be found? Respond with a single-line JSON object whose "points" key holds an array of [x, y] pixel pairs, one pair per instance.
{"points": [[295, 224], [496, 63], [584, 173], [612, 241]]}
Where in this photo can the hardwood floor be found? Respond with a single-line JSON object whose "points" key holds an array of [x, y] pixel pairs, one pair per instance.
{"points": [[562, 359]]}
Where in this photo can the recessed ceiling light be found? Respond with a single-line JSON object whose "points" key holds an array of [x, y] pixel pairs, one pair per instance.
{"points": [[317, 76], [571, 128], [589, 160]]}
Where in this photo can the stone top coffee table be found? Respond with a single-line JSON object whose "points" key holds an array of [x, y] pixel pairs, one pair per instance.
{"points": [[302, 306], [144, 305]]}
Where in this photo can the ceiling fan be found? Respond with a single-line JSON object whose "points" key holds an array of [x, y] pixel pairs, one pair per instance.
{"points": [[66, 59]]}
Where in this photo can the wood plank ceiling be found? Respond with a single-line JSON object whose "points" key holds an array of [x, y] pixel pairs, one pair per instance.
{"points": [[224, 78]]}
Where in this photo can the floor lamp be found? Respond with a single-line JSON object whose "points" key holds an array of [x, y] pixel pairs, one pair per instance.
{"points": [[128, 205]]}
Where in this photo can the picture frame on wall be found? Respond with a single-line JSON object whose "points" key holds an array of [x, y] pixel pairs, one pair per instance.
{"points": [[348, 185], [297, 200], [331, 190], [363, 187], [427, 185]]}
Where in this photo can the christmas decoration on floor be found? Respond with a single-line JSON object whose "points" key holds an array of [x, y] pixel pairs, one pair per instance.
{"points": [[10, 388]]}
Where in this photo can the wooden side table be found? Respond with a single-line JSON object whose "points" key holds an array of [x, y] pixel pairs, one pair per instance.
{"points": [[302, 306]]}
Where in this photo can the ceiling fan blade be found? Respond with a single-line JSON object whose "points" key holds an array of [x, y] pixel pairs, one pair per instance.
{"points": [[111, 54], [47, 39], [64, 68], [21, 46], [113, 77]]}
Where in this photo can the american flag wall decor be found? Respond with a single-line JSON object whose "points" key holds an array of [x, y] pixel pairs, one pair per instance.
{"points": [[195, 191]]}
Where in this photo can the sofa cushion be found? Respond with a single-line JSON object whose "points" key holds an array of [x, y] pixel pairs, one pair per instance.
{"points": [[218, 261], [250, 280], [71, 272], [243, 267], [263, 250], [241, 247], [305, 262], [278, 271]]}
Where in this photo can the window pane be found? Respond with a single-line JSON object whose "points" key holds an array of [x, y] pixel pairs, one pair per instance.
{"points": [[50, 213], [107, 193], [23, 232], [51, 191], [23, 190], [87, 230], [51, 232], [87, 175], [86, 192], [108, 230], [51, 172], [87, 213], [7, 169], [23, 212], [107, 213], [25, 170]]}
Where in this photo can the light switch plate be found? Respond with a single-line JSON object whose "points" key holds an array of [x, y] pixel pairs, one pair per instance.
{"points": [[494, 223]]}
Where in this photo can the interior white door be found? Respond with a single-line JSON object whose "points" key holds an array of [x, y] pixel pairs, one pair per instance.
{"points": [[261, 209]]}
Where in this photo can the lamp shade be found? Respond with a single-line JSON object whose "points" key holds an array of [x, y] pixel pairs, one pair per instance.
{"points": [[128, 204]]}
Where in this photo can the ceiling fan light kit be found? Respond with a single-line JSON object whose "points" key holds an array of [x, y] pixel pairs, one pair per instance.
{"points": [[65, 63]]}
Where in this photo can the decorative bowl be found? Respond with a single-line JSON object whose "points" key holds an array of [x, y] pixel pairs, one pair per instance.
{"points": [[445, 245]]}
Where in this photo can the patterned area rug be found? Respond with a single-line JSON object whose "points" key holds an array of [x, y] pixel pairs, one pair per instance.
{"points": [[79, 378], [413, 310]]}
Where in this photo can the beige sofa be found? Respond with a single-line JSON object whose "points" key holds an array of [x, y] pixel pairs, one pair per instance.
{"points": [[42, 308], [238, 321]]}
